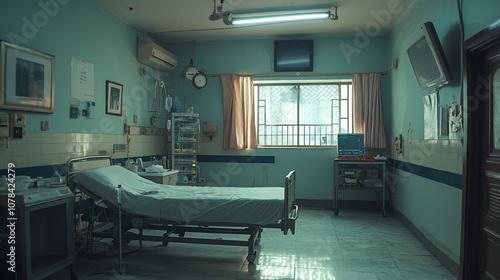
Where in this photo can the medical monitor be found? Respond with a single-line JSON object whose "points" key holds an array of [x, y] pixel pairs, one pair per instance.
{"points": [[427, 57], [293, 55], [351, 144]]}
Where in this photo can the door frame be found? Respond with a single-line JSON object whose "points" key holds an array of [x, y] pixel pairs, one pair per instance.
{"points": [[474, 107]]}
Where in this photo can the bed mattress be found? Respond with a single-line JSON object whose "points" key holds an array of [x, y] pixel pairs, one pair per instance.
{"points": [[185, 204]]}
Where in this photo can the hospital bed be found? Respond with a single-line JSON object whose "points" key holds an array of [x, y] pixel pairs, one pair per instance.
{"points": [[143, 205]]}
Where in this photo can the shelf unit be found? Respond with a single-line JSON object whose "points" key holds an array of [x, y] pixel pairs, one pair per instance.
{"points": [[366, 175], [182, 146]]}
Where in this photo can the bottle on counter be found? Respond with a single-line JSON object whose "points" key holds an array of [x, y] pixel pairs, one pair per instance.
{"points": [[56, 178]]}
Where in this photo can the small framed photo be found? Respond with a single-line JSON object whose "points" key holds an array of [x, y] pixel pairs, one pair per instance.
{"points": [[114, 98], [26, 79]]}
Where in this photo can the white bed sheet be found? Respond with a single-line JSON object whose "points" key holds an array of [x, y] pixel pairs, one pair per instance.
{"points": [[185, 204]]}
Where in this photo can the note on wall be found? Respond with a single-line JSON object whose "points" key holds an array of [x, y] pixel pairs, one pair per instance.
{"points": [[431, 116], [82, 80]]}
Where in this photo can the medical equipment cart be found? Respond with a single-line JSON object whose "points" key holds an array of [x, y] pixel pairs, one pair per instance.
{"points": [[182, 146], [367, 174]]}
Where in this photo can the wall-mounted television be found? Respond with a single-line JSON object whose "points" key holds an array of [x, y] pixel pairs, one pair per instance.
{"points": [[293, 55], [427, 57], [350, 144]]}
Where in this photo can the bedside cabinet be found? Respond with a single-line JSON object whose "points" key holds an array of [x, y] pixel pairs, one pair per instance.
{"points": [[166, 178]]}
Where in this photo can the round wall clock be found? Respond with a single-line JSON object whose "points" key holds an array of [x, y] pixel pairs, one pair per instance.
{"points": [[200, 80], [190, 72]]}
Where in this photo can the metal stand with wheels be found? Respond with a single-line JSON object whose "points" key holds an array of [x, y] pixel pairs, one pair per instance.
{"points": [[359, 175]]}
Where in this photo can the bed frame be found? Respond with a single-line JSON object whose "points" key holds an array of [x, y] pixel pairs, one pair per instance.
{"points": [[123, 222]]}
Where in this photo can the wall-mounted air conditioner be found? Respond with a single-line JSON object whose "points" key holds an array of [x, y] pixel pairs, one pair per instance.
{"points": [[154, 55]]}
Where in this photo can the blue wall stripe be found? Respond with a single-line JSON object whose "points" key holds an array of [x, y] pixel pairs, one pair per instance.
{"points": [[238, 159], [445, 177]]}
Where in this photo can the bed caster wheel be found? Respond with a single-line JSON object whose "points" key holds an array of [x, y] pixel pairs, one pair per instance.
{"points": [[336, 212], [165, 239], [251, 258], [182, 233]]}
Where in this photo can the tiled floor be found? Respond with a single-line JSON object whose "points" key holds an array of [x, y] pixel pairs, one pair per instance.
{"points": [[356, 245]]}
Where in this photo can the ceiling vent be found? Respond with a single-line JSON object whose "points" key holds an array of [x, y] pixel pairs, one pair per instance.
{"points": [[154, 55]]}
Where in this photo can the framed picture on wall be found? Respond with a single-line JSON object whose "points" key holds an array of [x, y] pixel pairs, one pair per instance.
{"points": [[114, 98], [26, 79]]}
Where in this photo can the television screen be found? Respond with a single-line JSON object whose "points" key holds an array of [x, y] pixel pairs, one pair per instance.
{"points": [[427, 58], [352, 144], [293, 55]]}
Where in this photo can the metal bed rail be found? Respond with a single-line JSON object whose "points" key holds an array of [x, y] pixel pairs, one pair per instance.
{"points": [[291, 209], [75, 165]]}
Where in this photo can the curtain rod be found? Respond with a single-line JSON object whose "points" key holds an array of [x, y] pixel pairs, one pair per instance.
{"points": [[299, 74]]}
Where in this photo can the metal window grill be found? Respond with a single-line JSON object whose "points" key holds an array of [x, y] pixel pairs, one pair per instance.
{"points": [[303, 114]]}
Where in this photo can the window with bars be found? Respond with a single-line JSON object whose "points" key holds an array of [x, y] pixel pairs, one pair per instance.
{"points": [[302, 114]]}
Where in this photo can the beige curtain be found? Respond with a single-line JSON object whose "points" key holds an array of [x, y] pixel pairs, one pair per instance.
{"points": [[367, 109], [239, 112]]}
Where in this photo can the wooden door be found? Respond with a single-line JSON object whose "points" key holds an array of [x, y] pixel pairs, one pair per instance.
{"points": [[480, 248]]}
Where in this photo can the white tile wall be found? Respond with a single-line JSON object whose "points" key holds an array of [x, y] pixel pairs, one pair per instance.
{"points": [[443, 155], [44, 148]]}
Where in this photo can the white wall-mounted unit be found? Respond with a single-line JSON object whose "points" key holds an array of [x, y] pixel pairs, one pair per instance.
{"points": [[154, 55]]}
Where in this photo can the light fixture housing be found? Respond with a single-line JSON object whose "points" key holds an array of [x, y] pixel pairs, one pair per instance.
{"points": [[279, 18]]}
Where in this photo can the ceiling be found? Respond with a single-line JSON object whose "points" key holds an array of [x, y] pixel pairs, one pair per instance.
{"points": [[178, 21]]}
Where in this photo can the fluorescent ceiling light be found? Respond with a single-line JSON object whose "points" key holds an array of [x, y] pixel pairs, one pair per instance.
{"points": [[236, 20]]}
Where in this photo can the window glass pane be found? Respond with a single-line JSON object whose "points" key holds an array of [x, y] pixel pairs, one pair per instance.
{"points": [[335, 115], [302, 114], [336, 129], [335, 111], [344, 126], [262, 115], [336, 91], [315, 104], [344, 108], [344, 92], [281, 104]]}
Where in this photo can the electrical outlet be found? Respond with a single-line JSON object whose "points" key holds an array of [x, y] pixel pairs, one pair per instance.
{"points": [[73, 112], [17, 132], [44, 125], [202, 179]]}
